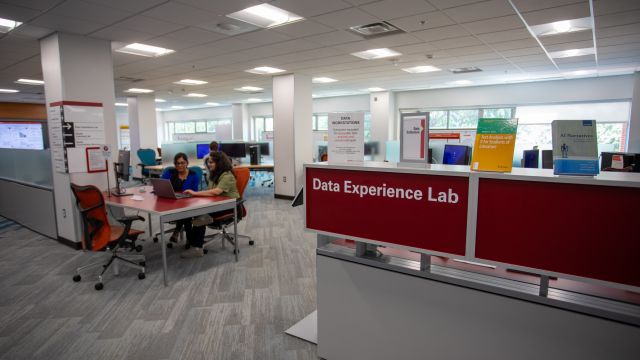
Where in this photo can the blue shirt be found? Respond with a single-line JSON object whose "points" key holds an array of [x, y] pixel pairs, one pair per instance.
{"points": [[191, 182]]}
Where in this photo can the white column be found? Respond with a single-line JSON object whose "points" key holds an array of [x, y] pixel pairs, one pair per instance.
{"points": [[78, 69], [291, 131], [142, 127], [239, 122], [633, 142], [383, 124]]}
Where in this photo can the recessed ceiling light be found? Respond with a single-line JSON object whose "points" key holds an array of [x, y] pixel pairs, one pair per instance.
{"points": [[460, 82], [421, 69], [30, 82], [7, 25], [122, 104], [196, 95], [374, 54], [265, 70], [139, 91], [323, 80], [580, 72], [160, 100], [265, 16], [190, 82], [373, 89], [177, 107], [254, 100], [8, 91], [249, 89], [464, 70], [572, 53], [144, 50], [213, 104], [561, 27]]}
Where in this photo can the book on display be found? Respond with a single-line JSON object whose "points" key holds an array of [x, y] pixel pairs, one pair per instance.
{"points": [[575, 147], [493, 148]]}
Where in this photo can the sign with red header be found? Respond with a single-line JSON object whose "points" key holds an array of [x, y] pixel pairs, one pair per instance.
{"points": [[427, 212]]}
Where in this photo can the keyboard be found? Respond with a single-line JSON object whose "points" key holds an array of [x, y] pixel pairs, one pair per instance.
{"points": [[182, 196]]}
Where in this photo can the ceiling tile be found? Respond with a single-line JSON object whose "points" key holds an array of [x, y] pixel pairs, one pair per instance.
{"points": [[480, 11], [221, 7], [444, 4], [567, 38], [17, 13], [303, 29], [310, 8], [508, 35], [628, 17], [566, 12], [423, 48], [194, 35], [570, 45], [444, 32], [31, 31], [389, 9], [618, 40], [618, 30], [603, 7], [32, 4], [89, 12], [180, 14], [66, 24], [128, 5], [456, 42], [395, 40], [125, 36], [522, 52], [345, 19], [263, 37], [414, 22], [533, 5], [464, 52], [334, 38], [493, 25], [149, 25]]}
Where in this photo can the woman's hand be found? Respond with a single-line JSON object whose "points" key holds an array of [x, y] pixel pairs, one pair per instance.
{"points": [[189, 191]]}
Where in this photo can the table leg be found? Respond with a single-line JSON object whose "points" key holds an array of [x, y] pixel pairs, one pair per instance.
{"points": [[163, 245], [235, 231], [150, 230]]}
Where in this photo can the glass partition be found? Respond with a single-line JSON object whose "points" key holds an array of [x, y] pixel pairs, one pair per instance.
{"points": [[32, 167]]}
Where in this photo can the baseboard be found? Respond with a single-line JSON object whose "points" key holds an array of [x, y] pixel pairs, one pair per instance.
{"points": [[283, 197], [69, 243]]}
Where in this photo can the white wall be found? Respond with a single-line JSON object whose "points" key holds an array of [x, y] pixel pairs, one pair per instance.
{"points": [[342, 103], [633, 142], [219, 112]]}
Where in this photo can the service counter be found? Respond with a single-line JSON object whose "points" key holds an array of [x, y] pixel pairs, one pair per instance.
{"points": [[582, 229]]}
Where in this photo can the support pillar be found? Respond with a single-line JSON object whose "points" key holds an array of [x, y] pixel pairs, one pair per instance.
{"points": [[633, 144], [383, 120], [142, 127], [239, 122]]}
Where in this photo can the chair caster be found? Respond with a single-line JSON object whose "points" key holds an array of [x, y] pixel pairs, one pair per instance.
{"points": [[138, 248], [77, 278], [205, 251], [141, 276], [235, 251], [142, 263], [99, 286], [155, 239], [169, 245], [251, 242], [187, 246]]}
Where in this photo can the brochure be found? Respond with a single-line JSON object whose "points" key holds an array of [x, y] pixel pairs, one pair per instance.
{"points": [[493, 148], [575, 147]]}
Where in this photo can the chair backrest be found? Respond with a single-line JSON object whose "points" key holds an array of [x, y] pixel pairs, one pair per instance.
{"points": [[199, 174], [166, 171], [96, 228], [242, 178], [147, 156]]}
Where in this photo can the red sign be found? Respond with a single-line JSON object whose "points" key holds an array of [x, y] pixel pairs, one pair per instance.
{"points": [[447, 136], [420, 211]]}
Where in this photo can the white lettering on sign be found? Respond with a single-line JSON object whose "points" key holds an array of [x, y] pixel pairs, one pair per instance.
{"points": [[449, 196]]}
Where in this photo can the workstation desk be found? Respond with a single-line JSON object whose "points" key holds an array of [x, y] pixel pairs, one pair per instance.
{"points": [[157, 169], [374, 304], [170, 210]]}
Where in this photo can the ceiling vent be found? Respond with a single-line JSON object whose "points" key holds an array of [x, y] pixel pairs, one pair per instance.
{"points": [[128, 78], [465, 70], [229, 27], [376, 30]]}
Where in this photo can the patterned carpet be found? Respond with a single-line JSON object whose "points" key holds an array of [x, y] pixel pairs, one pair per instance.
{"points": [[213, 308]]}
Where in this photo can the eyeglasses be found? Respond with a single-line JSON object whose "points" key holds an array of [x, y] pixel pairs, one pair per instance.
{"points": [[181, 163]]}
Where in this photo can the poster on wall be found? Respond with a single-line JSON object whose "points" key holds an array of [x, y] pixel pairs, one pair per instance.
{"points": [[414, 139], [55, 117], [96, 161], [346, 137]]}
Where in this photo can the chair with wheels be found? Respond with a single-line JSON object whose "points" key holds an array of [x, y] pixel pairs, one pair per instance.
{"points": [[147, 158], [99, 235], [225, 220], [199, 173]]}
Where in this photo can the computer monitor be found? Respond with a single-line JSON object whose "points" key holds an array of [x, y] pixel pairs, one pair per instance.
{"points": [[547, 159], [264, 148], [456, 155], [202, 150], [124, 161], [628, 160], [531, 158], [371, 148], [234, 150], [322, 149]]}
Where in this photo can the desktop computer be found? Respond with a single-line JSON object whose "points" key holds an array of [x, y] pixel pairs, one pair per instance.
{"points": [[254, 154]]}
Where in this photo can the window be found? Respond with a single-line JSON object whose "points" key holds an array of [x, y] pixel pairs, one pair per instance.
{"points": [[193, 127], [201, 126], [438, 119], [461, 118], [260, 125], [320, 122]]}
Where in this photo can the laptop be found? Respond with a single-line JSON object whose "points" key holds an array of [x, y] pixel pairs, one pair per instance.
{"points": [[163, 188]]}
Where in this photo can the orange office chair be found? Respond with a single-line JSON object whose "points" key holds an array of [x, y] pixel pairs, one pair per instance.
{"points": [[99, 235], [225, 220]]}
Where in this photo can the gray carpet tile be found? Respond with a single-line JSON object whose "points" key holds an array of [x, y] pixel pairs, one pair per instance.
{"points": [[213, 308]]}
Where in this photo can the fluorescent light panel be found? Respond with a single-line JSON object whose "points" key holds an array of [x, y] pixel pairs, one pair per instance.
{"points": [[139, 91], [249, 89], [265, 70], [213, 104], [7, 25], [421, 69], [30, 82], [323, 80], [190, 82], [460, 82], [572, 53], [254, 100], [374, 54], [265, 16], [145, 50], [196, 95], [373, 89], [562, 27], [160, 100], [8, 91], [122, 104], [177, 107]]}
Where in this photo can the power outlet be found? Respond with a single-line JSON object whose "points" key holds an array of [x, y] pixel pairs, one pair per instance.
{"points": [[64, 213], [284, 179]]}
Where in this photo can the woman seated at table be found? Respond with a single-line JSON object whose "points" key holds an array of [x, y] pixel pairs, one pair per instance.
{"points": [[222, 182], [181, 179]]}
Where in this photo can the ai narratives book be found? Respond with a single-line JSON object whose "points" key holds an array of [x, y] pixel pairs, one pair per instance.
{"points": [[575, 147], [493, 148]]}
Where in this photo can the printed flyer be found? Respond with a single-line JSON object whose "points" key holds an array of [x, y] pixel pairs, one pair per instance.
{"points": [[415, 137], [346, 137]]}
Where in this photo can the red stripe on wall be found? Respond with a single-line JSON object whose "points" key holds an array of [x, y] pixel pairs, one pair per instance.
{"points": [[76, 103]]}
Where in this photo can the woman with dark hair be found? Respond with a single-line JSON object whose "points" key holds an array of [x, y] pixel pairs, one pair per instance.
{"points": [[222, 182], [181, 179]]}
